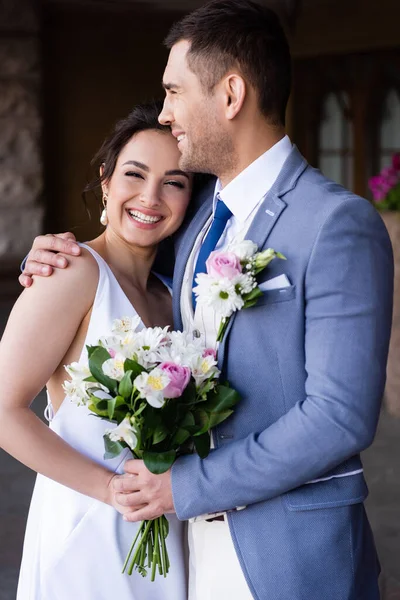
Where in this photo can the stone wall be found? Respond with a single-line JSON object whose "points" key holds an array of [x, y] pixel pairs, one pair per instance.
{"points": [[21, 183]]}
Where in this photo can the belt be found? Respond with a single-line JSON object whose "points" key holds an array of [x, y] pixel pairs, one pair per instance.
{"points": [[219, 518]]}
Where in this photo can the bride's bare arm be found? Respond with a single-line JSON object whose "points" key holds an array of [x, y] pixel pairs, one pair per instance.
{"points": [[44, 256], [41, 328]]}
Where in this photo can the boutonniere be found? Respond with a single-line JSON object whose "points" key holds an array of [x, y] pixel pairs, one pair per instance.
{"points": [[230, 283]]}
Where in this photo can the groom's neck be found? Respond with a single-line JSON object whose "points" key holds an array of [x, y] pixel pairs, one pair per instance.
{"points": [[250, 141]]}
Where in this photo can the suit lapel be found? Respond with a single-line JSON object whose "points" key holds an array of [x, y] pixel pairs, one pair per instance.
{"points": [[185, 247], [267, 217]]}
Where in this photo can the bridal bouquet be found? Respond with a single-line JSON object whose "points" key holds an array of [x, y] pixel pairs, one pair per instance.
{"points": [[161, 390], [230, 283]]}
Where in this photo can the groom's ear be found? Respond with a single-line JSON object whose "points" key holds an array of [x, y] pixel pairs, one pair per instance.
{"points": [[235, 94]]}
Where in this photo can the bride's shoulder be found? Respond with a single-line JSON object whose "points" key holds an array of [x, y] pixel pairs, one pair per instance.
{"points": [[79, 278]]}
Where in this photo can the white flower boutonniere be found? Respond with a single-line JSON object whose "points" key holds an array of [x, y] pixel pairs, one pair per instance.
{"points": [[230, 283]]}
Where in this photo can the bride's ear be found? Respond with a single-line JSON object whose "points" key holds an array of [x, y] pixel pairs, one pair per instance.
{"points": [[104, 184]]}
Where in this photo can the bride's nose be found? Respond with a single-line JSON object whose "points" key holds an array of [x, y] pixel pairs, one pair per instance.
{"points": [[149, 196]]}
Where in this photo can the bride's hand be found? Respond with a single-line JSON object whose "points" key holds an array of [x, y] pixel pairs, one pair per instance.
{"points": [[140, 495], [44, 255]]}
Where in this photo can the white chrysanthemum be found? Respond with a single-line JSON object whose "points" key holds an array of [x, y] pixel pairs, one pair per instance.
{"points": [[76, 391], [124, 432], [244, 282], [182, 349], [203, 368], [219, 294], [151, 386], [147, 344], [114, 367], [244, 250], [125, 325]]}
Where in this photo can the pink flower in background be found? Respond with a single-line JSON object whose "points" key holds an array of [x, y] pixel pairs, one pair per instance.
{"points": [[396, 161], [210, 352], [380, 185], [179, 378], [223, 264]]}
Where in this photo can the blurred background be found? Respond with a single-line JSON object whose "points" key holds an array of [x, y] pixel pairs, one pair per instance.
{"points": [[70, 68]]}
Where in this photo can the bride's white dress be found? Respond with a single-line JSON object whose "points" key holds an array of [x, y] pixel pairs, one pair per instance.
{"points": [[75, 546]]}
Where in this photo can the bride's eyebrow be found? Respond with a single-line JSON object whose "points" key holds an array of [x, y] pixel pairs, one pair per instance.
{"points": [[177, 172], [137, 164]]}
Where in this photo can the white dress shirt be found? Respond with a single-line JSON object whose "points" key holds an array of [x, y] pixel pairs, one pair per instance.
{"points": [[243, 196]]}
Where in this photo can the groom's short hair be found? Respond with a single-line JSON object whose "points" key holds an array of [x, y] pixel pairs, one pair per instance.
{"points": [[242, 33]]}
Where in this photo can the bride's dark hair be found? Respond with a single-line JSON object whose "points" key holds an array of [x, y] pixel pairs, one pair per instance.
{"points": [[142, 118]]}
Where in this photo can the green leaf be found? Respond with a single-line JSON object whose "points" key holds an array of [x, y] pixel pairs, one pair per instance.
{"points": [[97, 357], [188, 420], [159, 434], [223, 398], [91, 349], [113, 449], [202, 421], [180, 436], [132, 365], [202, 444], [189, 394], [205, 388], [112, 404], [125, 385], [218, 417], [159, 462], [94, 408], [253, 295]]}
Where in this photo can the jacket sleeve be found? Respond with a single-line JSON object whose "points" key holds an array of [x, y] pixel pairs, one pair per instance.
{"points": [[348, 309]]}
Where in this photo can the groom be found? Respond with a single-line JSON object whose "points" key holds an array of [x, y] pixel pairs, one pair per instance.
{"points": [[308, 360]]}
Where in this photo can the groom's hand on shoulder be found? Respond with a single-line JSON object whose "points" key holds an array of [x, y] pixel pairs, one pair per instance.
{"points": [[43, 255]]}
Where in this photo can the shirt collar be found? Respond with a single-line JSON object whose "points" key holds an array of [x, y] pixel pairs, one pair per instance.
{"points": [[247, 189]]}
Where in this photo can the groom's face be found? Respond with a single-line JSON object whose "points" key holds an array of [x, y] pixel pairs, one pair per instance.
{"points": [[194, 115]]}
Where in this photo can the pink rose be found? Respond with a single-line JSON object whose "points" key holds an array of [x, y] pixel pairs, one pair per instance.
{"points": [[179, 378], [223, 264], [210, 352]]}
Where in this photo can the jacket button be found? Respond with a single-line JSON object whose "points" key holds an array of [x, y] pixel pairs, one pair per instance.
{"points": [[196, 333]]}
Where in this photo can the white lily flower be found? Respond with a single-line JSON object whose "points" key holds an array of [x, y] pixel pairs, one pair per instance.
{"points": [[124, 432], [76, 391], [244, 250], [204, 367], [152, 385], [125, 325], [114, 367], [77, 371]]}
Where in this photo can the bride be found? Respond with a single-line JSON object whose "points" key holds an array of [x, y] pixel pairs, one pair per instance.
{"points": [[76, 537]]}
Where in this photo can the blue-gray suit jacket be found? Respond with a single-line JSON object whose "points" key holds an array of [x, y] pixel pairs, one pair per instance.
{"points": [[309, 362]]}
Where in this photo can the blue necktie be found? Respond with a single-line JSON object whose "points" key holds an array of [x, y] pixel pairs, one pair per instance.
{"points": [[221, 217]]}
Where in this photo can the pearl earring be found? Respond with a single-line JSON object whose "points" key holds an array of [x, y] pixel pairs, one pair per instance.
{"points": [[104, 218]]}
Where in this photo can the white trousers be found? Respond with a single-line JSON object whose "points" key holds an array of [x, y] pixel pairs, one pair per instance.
{"points": [[214, 569]]}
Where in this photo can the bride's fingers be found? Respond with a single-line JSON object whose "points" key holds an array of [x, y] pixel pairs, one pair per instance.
{"points": [[148, 512], [125, 484], [25, 280], [133, 501]]}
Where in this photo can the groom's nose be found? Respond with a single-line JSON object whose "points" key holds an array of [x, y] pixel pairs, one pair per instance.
{"points": [[165, 117]]}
